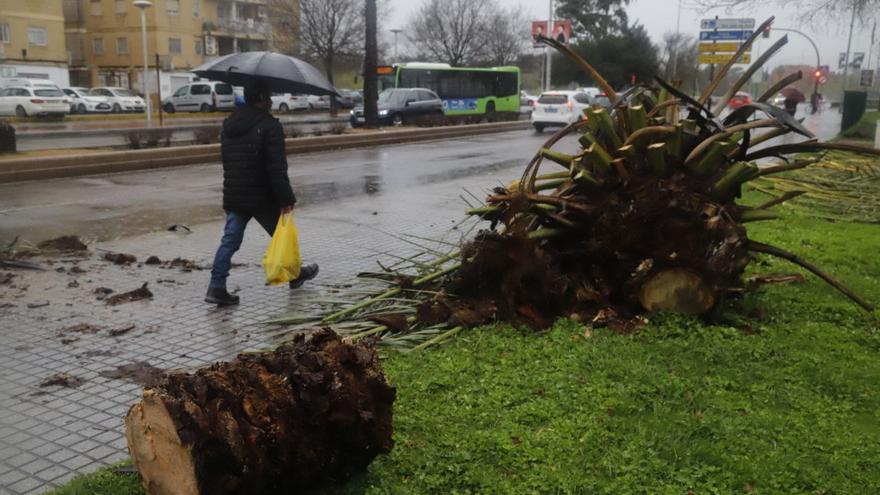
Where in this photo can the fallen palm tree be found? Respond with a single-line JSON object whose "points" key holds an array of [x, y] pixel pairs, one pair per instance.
{"points": [[310, 412], [645, 217]]}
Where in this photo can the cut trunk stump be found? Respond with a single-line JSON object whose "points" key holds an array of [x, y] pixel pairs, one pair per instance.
{"points": [[311, 412]]}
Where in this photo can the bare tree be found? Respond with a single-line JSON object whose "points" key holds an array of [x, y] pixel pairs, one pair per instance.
{"points": [[453, 31], [330, 28], [509, 35], [808, 11], [679, 60]]}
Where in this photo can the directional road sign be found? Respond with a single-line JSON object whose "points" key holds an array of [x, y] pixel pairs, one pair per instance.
{"points": [[720, 47], [722, 58], [725, 35], [708, 24]]}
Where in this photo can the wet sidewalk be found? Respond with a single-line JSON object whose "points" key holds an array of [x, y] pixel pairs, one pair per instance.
{"points": [[54, 322]]}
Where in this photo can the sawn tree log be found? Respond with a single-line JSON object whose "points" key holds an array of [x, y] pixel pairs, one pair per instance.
{"points": [[311, 412]]}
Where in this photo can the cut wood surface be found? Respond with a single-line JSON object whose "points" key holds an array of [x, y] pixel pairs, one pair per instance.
{"points": [[311, 412]]}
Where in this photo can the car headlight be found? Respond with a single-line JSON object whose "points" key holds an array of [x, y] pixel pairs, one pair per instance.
{"points": [[383, 113], [351, 113]]}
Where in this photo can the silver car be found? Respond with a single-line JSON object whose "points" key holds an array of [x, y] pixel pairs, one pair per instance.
{"points": [[81, 101], [202, 96]]}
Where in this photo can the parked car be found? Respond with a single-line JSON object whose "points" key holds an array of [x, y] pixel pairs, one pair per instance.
{"points": [[22, 82], [740, 99], [287, 102], [319, 102], [779, 100], [121, 99], [602, 100], [349, 98], [559, 109], [24, 101], [201, 96], [83, 102], [591, 91], [402, 105]]}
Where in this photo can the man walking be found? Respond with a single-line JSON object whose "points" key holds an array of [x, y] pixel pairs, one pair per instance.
{"points": [[255, 184]]}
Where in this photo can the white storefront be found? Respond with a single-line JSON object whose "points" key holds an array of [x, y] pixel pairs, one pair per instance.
{"points": [[54, 73]]}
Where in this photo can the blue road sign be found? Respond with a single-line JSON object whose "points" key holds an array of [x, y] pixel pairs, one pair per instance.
{"points": [[725, 35]]}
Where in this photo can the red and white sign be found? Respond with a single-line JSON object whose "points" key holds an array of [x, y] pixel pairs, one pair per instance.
{"points": [[539, 28]]}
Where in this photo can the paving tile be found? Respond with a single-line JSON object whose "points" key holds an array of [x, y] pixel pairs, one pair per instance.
{"points": [[48, 438]]}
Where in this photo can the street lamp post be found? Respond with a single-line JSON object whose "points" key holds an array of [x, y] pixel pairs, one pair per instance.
{"points": [[396, 32], [144, 5]]}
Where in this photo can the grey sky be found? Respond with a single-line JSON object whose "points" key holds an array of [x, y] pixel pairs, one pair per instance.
{"points": [[659, 16]]}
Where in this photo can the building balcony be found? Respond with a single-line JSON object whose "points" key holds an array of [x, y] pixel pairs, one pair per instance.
{"points": [[247, 28]]}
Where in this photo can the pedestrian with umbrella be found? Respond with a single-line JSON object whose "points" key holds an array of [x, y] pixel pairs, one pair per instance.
{"points": [[793, 97], [255, 180]]}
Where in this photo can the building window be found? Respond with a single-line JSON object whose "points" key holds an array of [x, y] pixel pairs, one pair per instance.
{"points": [[98, 46], [174, 46], [172, 7], [96, 8], [200, 47], [38, 36], [197, 8], [4, 33], [121, 6], [121, 45]]}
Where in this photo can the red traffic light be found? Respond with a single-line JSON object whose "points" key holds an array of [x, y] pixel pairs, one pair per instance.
{"points": [[817, 74], [766, 33]]}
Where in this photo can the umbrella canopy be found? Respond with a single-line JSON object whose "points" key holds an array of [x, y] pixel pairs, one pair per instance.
{"points": [[282, 73], [793, 94]]}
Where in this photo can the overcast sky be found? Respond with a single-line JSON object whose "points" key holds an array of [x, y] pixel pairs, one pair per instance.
{"points": [[660, 16]]}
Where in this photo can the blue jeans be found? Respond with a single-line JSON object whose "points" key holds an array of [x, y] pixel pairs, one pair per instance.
{"points": [[233, 234]]}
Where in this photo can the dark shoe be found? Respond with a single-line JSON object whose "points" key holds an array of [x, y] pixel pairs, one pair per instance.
{"points": [[306, 273], [220, 297]]}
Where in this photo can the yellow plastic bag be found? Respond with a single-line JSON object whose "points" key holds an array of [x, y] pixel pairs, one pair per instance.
{"points": [[282, 262]]}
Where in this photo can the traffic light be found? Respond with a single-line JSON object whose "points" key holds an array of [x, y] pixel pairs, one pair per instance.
{"points": [[817, 74], [767, 31]]}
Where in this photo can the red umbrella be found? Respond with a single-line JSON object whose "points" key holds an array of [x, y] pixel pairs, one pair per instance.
{"points": [[793, 94]]}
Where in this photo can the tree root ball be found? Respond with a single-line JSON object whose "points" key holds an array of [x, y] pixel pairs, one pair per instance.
{"points": [[312, 412]]}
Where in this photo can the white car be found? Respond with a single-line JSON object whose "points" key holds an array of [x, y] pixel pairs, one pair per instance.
{"points": [[120, 99], [32, 101], [201, 96], [287, 102], [559, 109], [316, 102], [83, 102], [592, 92]]}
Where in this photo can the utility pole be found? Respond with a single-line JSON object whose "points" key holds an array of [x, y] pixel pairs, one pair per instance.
{"points": [[677, 45], [548, 51], [143, 5], [396, 32], [371, 86], [848, 48]]}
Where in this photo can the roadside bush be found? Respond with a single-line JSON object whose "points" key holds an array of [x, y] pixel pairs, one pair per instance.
{"points": [[206, 135], [149, 138]]}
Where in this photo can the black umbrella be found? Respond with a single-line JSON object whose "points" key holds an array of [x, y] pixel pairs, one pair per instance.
{"points": [[282, 73]]}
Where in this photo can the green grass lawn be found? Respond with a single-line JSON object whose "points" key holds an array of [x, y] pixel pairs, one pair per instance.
{"points": [[787, 402]]}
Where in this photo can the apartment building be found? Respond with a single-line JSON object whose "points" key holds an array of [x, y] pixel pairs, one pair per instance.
{"points": [[32, 41], [104, 38]]}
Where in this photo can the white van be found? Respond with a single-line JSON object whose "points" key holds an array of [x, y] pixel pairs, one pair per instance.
{"points": [[201, 96]]}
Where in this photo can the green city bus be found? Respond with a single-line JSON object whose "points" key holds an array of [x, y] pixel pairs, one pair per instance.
{"points": [[464, 90]]}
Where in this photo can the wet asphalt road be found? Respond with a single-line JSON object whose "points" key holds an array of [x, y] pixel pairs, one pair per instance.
{"points": [[111, 206]]}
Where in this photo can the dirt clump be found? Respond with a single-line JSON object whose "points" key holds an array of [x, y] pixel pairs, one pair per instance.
{"points": [[153, 260], [6, 278], [141, 373], [184, 265], [67, 243], [61, 380], [120, 258], [126, 297], [117, 332]]}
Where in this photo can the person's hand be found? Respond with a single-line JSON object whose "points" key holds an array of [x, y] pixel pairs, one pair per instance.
{"points": [[287, 209]]}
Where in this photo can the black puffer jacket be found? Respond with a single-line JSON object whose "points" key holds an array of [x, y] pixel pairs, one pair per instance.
{"points": [[254, 162]]}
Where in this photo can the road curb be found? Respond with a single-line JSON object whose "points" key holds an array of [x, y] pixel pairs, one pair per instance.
{"points": [[22, 169]]}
